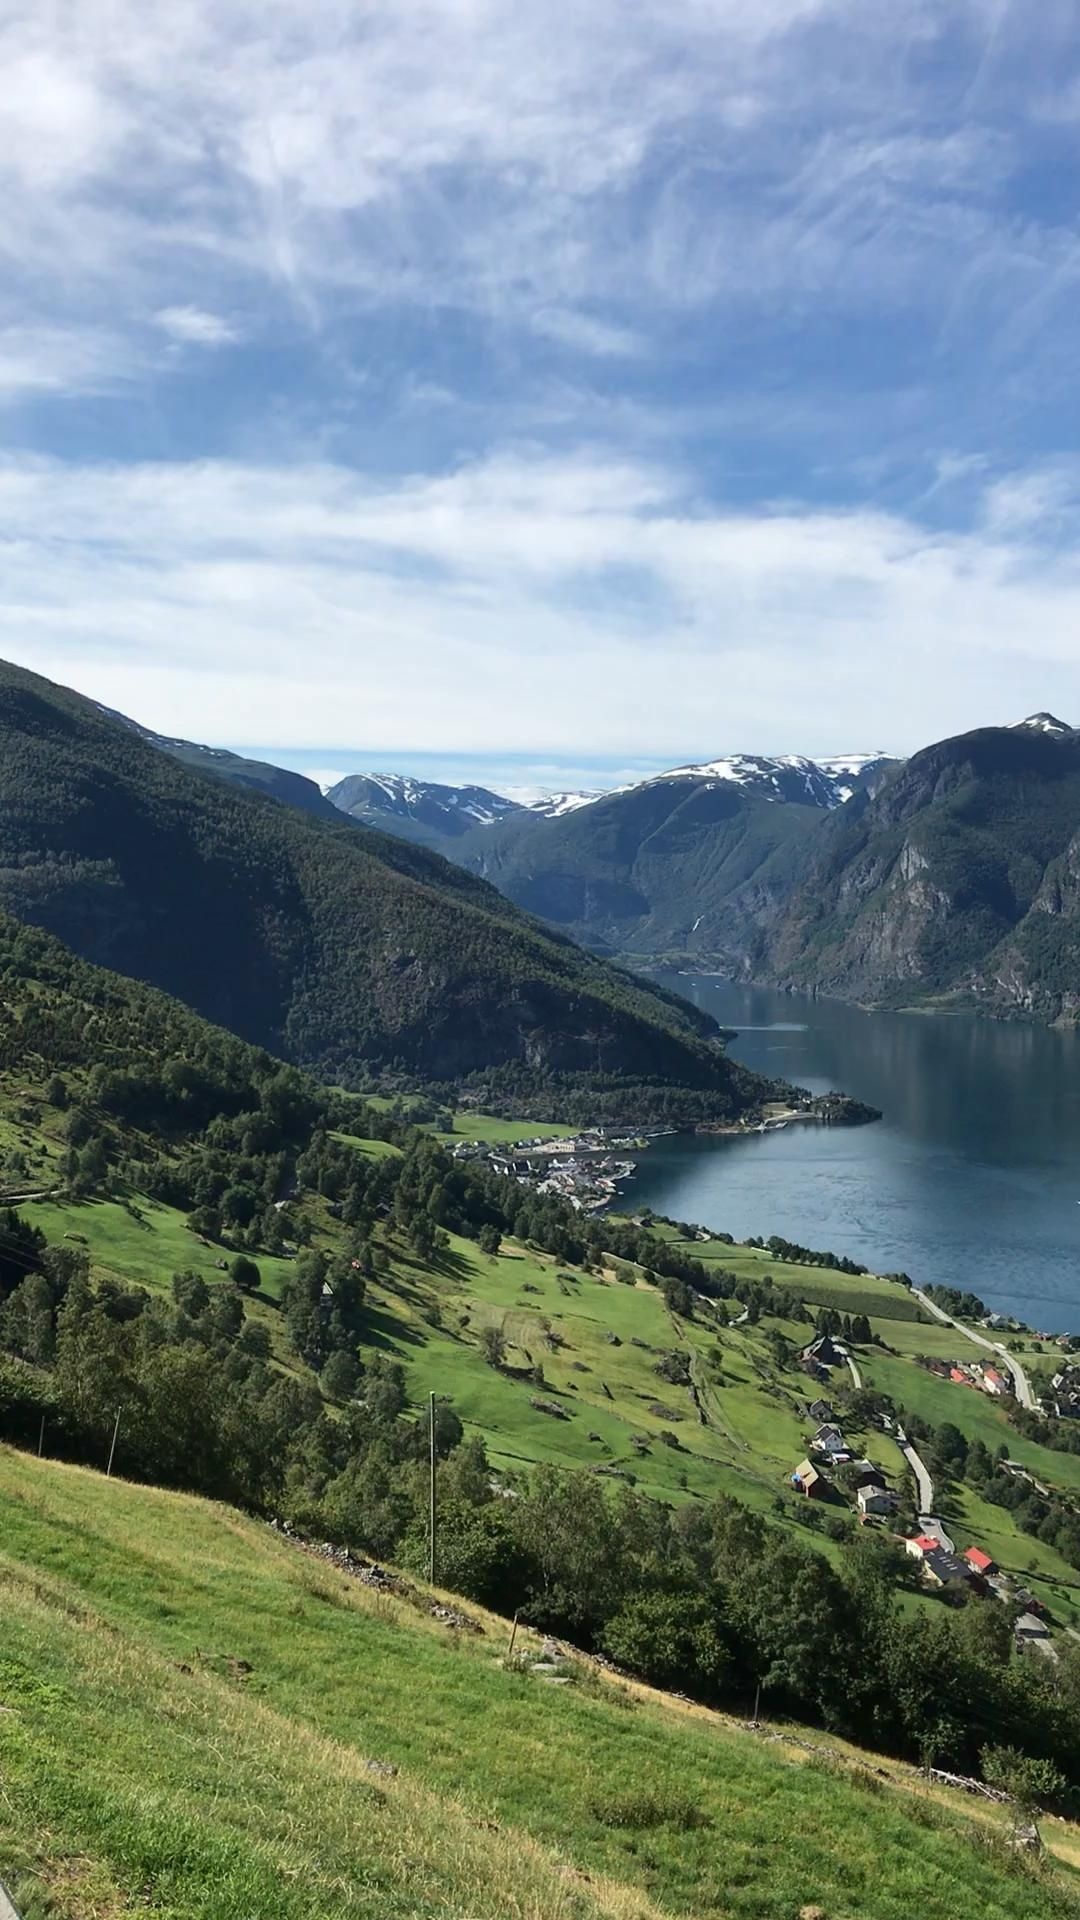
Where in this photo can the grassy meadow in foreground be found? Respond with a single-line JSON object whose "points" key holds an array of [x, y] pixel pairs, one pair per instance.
{"points": [[191, 1708]]}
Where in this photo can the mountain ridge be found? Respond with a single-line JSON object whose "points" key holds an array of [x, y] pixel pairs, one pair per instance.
{"points": [[339, 948]]}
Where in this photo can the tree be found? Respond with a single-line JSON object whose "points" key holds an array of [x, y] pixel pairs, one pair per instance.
{"points": [[341, 1375], [384, 1389], [489, 1239], [670, 1639], [245, 1274], [56, 1092], [493, 1345], [22, 1250], [26, 1321], [191, 1293], [1032, 1784]]}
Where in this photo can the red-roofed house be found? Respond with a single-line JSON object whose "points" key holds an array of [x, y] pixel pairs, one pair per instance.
{"points": [[993, 1382], [962, 1379], [978, 1561], [922, 1544]]}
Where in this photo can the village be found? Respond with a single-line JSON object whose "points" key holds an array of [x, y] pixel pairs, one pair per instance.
{"points": [[831, 1470], [587, 1170]]}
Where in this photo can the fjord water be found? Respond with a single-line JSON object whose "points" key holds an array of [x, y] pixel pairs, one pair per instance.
{"points": [[972, 1179]]}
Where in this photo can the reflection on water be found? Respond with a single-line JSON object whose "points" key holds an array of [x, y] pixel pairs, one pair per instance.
{"points": [[973, 1177]]}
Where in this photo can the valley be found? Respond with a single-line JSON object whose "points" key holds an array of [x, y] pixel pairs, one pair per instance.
{"points": [[239, 1289]]}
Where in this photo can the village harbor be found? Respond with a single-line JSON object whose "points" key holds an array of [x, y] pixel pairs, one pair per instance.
{"points": [[587, 1170]]}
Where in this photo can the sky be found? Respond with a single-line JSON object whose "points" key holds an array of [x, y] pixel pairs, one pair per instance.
{"points": [[545, 392]]}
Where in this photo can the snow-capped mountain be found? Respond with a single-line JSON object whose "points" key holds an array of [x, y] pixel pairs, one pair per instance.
{"points": [[788, 777], [419, 809], [1044, 723], [435, 814], [551, 806]]}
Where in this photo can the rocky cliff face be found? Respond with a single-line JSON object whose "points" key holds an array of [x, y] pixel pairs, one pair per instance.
{"points": [[958, 881]]}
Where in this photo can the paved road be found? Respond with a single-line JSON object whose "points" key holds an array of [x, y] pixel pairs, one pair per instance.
{"points": [[1021, 1384], [924, 1484], [7, 1908], [855, 1374]]}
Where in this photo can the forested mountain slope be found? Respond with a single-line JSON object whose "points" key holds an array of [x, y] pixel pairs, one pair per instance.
{"points": [[686, 867], [333, 946], [957, 880]]}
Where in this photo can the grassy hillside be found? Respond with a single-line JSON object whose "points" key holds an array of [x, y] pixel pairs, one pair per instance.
{"points": [[199, 1720], [335, 947]]}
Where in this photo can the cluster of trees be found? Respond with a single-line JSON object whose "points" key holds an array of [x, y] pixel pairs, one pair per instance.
{"points": [[1062, 1435], [1048, 1517], [847, 1326], [790, 1250], [964, 1306]]}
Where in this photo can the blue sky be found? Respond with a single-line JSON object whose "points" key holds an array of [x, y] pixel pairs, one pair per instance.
{"points": [[477, 386]]}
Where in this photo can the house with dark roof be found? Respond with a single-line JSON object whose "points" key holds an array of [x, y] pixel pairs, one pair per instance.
{"points": [[946, 1570], [822, 1352], [865, 1474]]}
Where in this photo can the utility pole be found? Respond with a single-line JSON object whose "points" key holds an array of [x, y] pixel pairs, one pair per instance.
{"points": [[431, 1488], [41, 1438], [112, 1449]]}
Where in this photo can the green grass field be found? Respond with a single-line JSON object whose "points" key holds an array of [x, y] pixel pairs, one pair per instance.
{"points": [[190, 1710], [496, 1132], [818, 1286], [144, 1249]]}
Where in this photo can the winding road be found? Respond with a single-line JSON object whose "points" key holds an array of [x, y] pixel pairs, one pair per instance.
{"points": [[1021, 1383], [924, 1487], [853, 1369]]}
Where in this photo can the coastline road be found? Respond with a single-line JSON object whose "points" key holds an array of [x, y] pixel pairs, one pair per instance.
{"points": [[1021, 1383]]}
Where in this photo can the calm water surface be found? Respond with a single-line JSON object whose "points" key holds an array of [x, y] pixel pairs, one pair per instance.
{"points": [[972, 1178]]}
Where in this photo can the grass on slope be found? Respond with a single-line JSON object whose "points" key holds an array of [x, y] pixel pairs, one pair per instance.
{"points": [[147, 1770], [867, 1293], [145, 1247]]}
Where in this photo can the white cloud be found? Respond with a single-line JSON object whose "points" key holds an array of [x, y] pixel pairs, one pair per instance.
{"points": [[42, 360], [194, 327], [584, 333], [470, 154], [500, 608]]}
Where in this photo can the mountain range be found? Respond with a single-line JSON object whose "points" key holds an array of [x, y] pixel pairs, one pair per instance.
{"points": [[444, 931], [439, 816], [950, 878], [339, 948]]}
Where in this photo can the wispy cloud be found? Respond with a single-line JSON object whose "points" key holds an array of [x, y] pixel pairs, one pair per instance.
{"points": [[63, 360], [501, 608], [799, 274], [195, 327]]}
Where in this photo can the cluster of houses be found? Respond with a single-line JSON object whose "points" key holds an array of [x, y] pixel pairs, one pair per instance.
{"points": [[873, 1495], [586, 1171], [987, 1379], [1065, 1393], [974, 1571]]}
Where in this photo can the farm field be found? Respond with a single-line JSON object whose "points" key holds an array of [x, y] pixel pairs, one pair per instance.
{"points": [[179, 1758]]}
